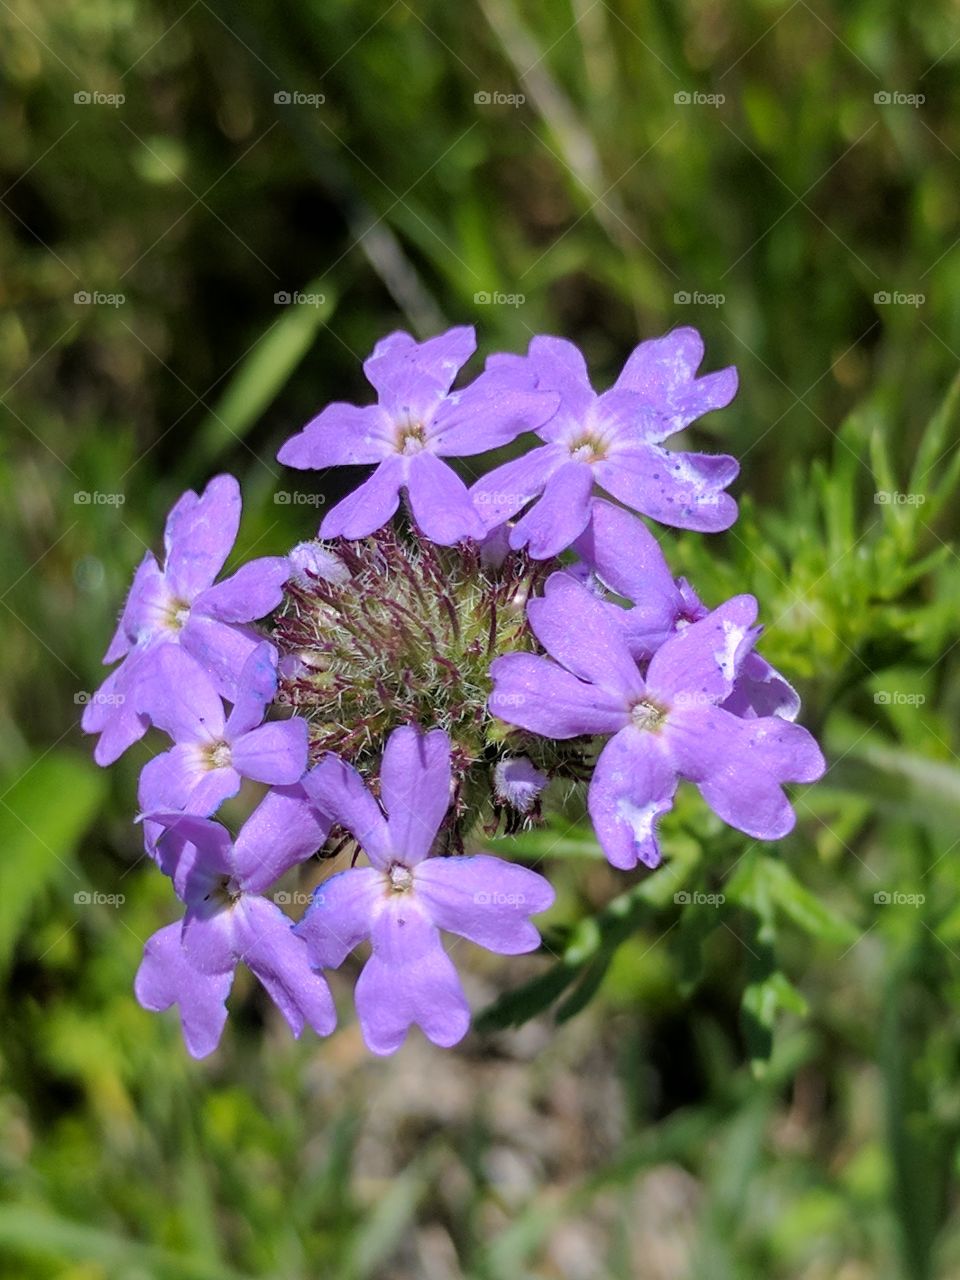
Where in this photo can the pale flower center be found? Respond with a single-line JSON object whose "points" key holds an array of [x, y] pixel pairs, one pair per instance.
{"points": [[411, 438], [219, 755], [175, 614], [400, 877], [647, 715], [587, 448]]}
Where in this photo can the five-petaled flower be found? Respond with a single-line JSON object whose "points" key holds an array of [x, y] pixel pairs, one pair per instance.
{"points": [[417, 421], [611, 440], [181, 604], [405, 897], [663, 726], [228, 920], [214, 752]]}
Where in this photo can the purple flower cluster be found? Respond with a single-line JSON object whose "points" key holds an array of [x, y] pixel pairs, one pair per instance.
{"points": [[440, 675]]}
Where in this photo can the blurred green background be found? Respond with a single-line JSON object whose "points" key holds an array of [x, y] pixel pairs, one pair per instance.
{"points": [[763, 1086]]}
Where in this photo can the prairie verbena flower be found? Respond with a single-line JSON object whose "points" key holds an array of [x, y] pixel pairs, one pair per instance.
{"points": [[428, 671], [405, 897], [612, 440], [416, 422]]}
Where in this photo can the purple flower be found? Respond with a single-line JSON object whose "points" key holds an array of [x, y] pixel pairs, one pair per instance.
{"points": [[227, 920], [214, 752], [518, 783], [612, 440], [417, 421], [623, 554], [663, 726], [405, 897], [179, 604]]}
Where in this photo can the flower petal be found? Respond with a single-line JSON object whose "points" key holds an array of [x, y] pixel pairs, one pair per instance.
{"points": [[559, 517], [179, 697], [663, 370], [408, 979], [268, 947], [537, 694], [181, 779], [251, 593], [165, 977], [487, 415], [438, 359], [633, 784], [583, 634], [221, 648], [501, 493], [626, 557], [274, 752], [199, 536], [337, 790], [415, 789], [370, 506], [341, 435], [440, 501], [284, 829], [760, 690], [740, 766], [484, 899], [257, 689], [684, 490], [699, 664], [340, 915]]}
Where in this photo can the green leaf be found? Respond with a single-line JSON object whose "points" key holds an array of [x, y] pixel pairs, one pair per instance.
{"points": [[261, 375], [43, 814]]}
